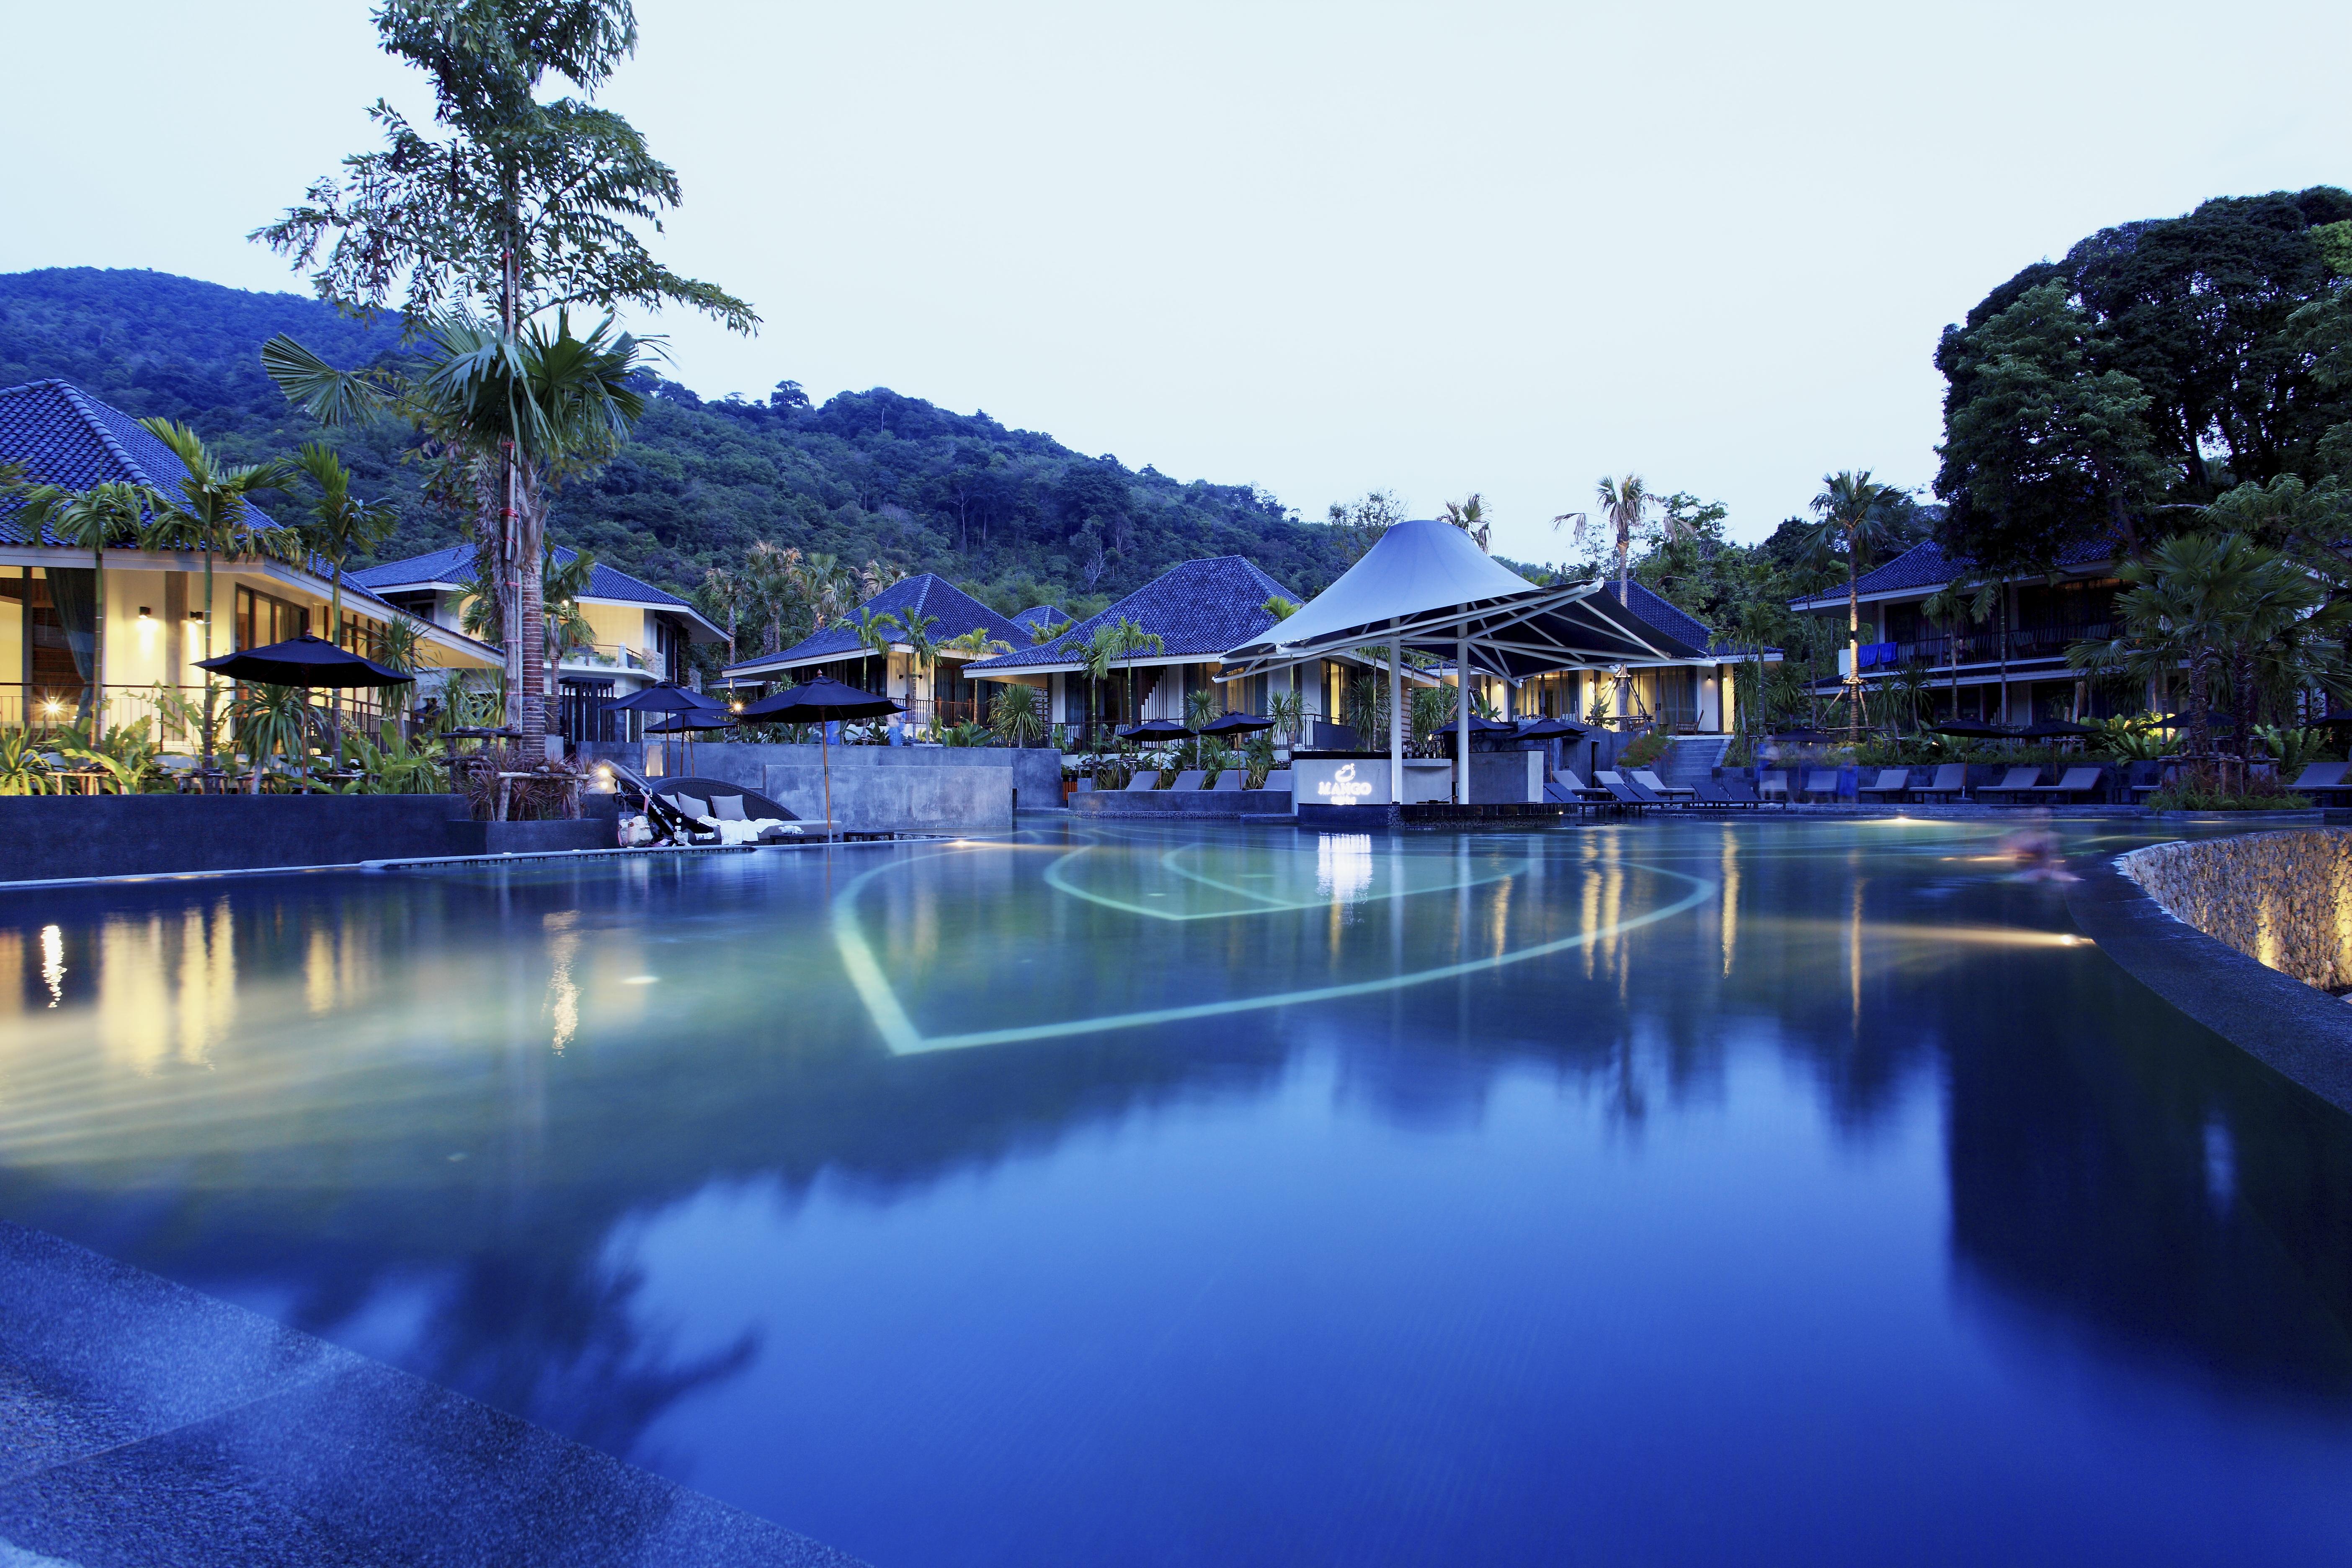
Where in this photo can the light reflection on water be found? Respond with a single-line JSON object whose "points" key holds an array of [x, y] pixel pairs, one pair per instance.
{"points": [[1670, 1192]]}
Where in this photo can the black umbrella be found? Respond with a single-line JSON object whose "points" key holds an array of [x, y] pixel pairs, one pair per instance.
{"points": [[1481, 725], [1970, 729], [2334, 717], [1548, 730], [1236, 724], [2052, 729], [1155, 729], [305, 660], [819, 701], [1804, 735], [687, 723], [665, 697]]}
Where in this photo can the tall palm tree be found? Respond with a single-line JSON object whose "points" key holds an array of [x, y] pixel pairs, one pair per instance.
{"points": [[1470, 517], [113, 512], [725, 593], [922, 652], [1857, 517], [542, 401], [215, 513], [341, 526], [1622, 501], [1968, 599], [877, 631]]}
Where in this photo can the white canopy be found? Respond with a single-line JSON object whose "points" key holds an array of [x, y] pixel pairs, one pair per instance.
{"points": [[1428, 587]]}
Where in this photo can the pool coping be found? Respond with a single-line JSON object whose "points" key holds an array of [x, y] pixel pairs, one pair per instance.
{"points": [[143, 1421], [2303, 1033]]}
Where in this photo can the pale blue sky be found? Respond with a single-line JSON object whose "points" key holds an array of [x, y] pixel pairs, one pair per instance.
{"points": [[1319, 247]]}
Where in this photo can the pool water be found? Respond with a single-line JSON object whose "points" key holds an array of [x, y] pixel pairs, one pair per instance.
{"points": [[1763, 1191]]}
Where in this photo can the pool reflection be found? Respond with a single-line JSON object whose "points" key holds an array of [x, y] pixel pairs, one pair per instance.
{"points": [[535, 1134]]}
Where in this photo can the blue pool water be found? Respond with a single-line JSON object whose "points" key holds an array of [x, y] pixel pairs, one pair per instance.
{"points": [[1795, 1192]]}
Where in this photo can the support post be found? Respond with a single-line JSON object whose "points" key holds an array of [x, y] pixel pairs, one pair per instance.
{"points": [[1396, 716], [1462, 716]]}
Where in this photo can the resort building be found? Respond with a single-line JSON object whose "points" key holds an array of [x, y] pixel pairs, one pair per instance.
{"points": [[930, 677], [61, 658], [1043, 620], [2011, 667], [641, 633], [1684, 696]]}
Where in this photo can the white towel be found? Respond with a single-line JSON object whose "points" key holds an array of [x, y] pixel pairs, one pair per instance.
{"points": [[746, 832]]}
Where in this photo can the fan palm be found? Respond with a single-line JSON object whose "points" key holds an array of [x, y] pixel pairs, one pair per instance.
{"points": [[551, 402], [1622, 501], [922, 652], [1470, 517], [1967, 600]]}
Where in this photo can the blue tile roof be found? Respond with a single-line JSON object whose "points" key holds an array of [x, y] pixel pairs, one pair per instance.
{"points": [[1199, 609], [1924, 567], [455, 564], [924, 593], [1037, 616], [65, 437]]}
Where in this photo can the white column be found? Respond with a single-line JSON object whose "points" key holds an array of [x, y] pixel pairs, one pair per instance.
{"points": [[1396, 717], [1461, 716]]}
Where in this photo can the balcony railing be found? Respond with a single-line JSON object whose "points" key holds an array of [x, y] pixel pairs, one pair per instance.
{"points": [[1984, 647], [48, 709], [605, 656]]}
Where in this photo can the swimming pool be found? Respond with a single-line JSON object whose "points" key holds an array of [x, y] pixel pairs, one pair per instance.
{"points": [[1795, 1191]]}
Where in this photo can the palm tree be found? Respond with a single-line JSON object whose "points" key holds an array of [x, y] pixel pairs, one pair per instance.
{"points": [[1622, 502], [1857, 517], [543, 403], [922, 651], [726, 593], [215, 513], [341, 526], [108, 513], [1470, 517], [877, 631]]}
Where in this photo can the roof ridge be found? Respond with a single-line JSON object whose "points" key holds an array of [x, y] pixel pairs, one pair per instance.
{"points": [[81, 401]]}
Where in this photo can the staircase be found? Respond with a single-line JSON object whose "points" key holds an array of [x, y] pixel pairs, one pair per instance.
{"points": [[1692, 760]]}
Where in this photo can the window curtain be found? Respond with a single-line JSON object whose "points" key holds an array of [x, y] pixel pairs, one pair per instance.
{"points": [[73, 591]]}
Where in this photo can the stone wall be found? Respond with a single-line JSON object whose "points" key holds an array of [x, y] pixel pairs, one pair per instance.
{"points": [[899, 789], [2284, 899]]}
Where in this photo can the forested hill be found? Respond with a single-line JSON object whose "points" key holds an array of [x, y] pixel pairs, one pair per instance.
{"points": [[870, 474]]}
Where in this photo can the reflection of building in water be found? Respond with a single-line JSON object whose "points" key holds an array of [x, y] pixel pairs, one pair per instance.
{"points": [[1343, 865]]}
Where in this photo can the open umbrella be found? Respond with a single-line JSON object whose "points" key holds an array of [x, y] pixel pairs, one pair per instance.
{"points": [[1236, 724], [1972, 729], [665, 697], [306, 660], [1481, 725], [1155, 729], [1548, 730], [2052, 729], [1804, 735], [690, 722], [2333, 718], [819, 701]]}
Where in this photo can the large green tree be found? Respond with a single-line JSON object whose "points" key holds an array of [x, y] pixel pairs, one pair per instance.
{"points": [[517, 206], [2158, 364]]}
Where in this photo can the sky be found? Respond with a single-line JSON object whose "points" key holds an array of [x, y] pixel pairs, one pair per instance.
{"points": [[1321, 249]]}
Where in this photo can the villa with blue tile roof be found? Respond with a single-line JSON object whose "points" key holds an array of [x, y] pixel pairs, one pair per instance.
{"points": [[54, 647], [2011, 669], [1043, 620], [931, 684], [642, 633]]}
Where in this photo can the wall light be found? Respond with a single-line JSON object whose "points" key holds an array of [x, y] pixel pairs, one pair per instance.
{"points": [[145, 614]]}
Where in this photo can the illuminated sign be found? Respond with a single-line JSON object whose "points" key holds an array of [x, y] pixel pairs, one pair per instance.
{"points": [[1343, 787]]}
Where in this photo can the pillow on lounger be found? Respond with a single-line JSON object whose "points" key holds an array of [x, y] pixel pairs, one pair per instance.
{"points": [[693, 810], [727, 808]]}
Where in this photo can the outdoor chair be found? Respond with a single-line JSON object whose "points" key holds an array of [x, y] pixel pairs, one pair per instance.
{"points": [[1280, 780], [1189, 779], [2077, 782], [1570, 789], [2016, 779], [1145, 778], [2320, 776], [1891, 782], [1821, 781], [1627, 791], [1229, 780], [1708, 796], [727, 802], [1738, 791], [1659, 787], [1773, 785], [1951, 781]]}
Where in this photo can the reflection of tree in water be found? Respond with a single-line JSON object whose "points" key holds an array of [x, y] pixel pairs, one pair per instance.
{"points": [[2139, 1177]]}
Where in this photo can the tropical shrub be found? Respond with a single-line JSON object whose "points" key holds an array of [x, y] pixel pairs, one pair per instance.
{"points": [[22, 769], [2203, 789], [1018, 714]]}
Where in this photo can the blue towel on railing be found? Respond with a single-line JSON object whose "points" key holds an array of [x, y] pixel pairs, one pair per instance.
{"points": [[1877, 653]]}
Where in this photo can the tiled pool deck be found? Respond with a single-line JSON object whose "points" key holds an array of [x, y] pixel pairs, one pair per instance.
{"points": [[143, 1423]]}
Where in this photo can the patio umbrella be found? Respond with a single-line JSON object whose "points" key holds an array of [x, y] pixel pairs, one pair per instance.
{"points": [[2334, 717], [1549, 730], [306, 660], [2051, 728], [1236, 724], [687, 722], [819, 701], [663, 697], [1155, 729], [1804, 735], [1970, 729]]}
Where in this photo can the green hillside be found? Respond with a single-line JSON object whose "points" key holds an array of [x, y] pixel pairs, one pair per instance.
{"points": [[1011, 514]]}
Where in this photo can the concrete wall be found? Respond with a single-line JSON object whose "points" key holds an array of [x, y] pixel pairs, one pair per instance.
{"points": [[931, 789], [1182, 803], [2281, 899], [1499, 778], [44, 836]]}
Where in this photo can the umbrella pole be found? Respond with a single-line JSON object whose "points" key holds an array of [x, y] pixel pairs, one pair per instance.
{"points": [[1462, 711], [825, 755]]}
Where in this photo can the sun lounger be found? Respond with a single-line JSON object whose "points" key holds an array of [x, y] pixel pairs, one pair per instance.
{"points": [[1279, 779], [1710, 795], [1231, 779], [2320, 776], [1891, 782], [1739, 792], [1659, 787], [1190, 778], [2077, 782], [2016, 779], [1628, 791], [1821, 781], [1145, 778], [1574, 784], [1951, 781], [1773, 785]]}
